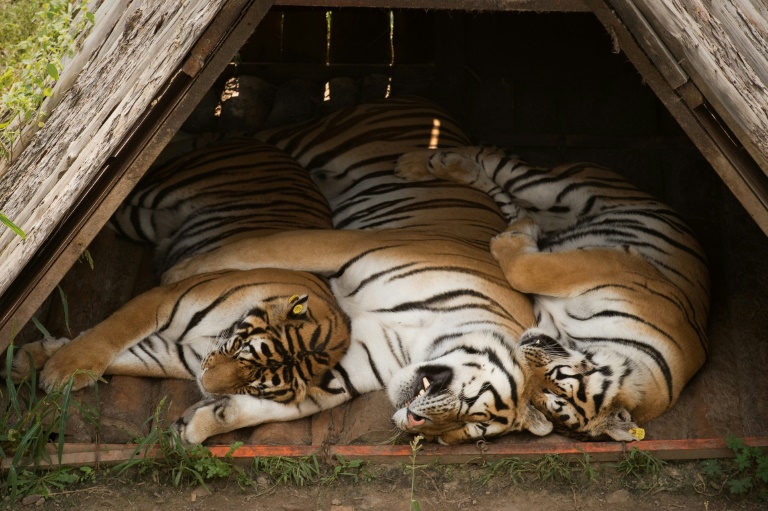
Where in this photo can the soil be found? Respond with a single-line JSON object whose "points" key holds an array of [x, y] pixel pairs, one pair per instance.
{"points": [[388, 487]]}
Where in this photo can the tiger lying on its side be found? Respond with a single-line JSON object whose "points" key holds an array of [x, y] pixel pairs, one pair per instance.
{"points": [[620, 286], [273, 334], [433, 319]]}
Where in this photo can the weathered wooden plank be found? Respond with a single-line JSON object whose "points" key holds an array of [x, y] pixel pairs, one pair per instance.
{"points": [[649, 41], [147, 44], [469, 5], [62, 189], [739, 172], [721, 44], [90, 454]]}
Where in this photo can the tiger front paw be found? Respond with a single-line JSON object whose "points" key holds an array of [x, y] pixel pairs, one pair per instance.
{"points": [[84, 366]]}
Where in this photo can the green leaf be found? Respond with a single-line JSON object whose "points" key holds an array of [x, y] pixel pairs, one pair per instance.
{"points": [[15, 228], [743, 460], [65, 304], [740, 486], [40, 327], [734, 443], [711, 468]]}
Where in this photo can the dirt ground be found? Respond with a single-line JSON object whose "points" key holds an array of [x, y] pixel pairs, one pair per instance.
{"points": [[388, 487]]}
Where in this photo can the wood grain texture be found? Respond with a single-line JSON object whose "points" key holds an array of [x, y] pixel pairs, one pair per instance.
{"points": [[722, 45], [117, 85]]}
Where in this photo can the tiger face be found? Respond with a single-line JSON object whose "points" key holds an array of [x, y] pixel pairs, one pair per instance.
{"points": [[276, 352], [583, 394], [465, 395]]}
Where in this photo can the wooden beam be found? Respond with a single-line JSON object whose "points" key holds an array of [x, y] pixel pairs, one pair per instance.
{"points": [[685, 449], [735, 166], [466, 5], [721, 44], [56, 246]]}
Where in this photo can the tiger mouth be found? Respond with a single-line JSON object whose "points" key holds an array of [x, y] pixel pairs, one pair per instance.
{"points": [[425, 383]]}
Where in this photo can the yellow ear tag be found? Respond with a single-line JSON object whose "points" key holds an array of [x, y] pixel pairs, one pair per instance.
{"points": [[638, 433], [298, 308], [293, 298]]}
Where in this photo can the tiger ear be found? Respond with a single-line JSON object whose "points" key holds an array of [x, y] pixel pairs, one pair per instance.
{"points": [[621, 427], [297, 306], [535, 421]]}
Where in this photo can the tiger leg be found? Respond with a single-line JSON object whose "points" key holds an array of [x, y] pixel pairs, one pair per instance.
{"points": [[560, 274], [461, 165], [318, 251], [219, 415], [86, 357]]}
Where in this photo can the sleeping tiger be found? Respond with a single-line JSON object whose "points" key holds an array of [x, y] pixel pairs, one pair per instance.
{"points": [[434, 321], [620, 286], [272, 334]]}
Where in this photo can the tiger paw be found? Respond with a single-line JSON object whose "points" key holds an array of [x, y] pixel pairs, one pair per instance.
{"points": [[85, 367], [33, 356], [523, 227], [204, 419], [520, 236], [414, 166]]}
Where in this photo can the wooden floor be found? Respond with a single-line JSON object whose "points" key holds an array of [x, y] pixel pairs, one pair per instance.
{"points": [[618, 123], [728, 397]]}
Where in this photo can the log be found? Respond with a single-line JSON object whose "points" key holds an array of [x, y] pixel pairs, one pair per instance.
{"points": [[721, 45]]}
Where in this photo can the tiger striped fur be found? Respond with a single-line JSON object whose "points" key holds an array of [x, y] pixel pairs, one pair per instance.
{"points": [[272, 334], [619, 282], [434, 321]]}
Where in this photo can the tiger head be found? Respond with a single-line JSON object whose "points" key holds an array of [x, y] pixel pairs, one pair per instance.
{"points": [[277, 351], [467, 394], [582, 393]]}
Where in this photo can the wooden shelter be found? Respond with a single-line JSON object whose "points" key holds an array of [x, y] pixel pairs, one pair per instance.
{"points": [[146, 65]]}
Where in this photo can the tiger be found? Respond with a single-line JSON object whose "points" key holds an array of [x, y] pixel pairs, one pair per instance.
{"points": [[272, 334], [619, 282], [433, 320]]}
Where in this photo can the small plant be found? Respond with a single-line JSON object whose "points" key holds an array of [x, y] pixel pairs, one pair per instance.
{"points": [[163, 454], [283, 470], [416, 446], [551, 467], [514, 468], [637, 465], [746, 473], [349, 469]]}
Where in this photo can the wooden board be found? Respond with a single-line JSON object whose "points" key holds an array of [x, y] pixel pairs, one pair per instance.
{"points": [[469, 5], [131, 97]]}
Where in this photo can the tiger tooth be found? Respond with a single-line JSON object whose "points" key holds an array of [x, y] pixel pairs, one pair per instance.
{"points": [[425, 381], [422, 392]]}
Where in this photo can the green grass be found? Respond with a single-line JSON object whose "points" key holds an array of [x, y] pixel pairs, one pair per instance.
{"points": [[744, 475], [29, 424], [32, 432], [35, 38]]}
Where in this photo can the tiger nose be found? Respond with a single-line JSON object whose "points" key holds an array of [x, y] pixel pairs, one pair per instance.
{"points": [[414, 420]]}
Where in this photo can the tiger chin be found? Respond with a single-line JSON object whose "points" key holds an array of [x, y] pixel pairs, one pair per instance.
{"points": [[464, 395], [596, 405], [268, 355]]}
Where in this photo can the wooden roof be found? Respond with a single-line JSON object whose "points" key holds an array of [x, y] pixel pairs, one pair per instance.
{"points": [[146, 64]]}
